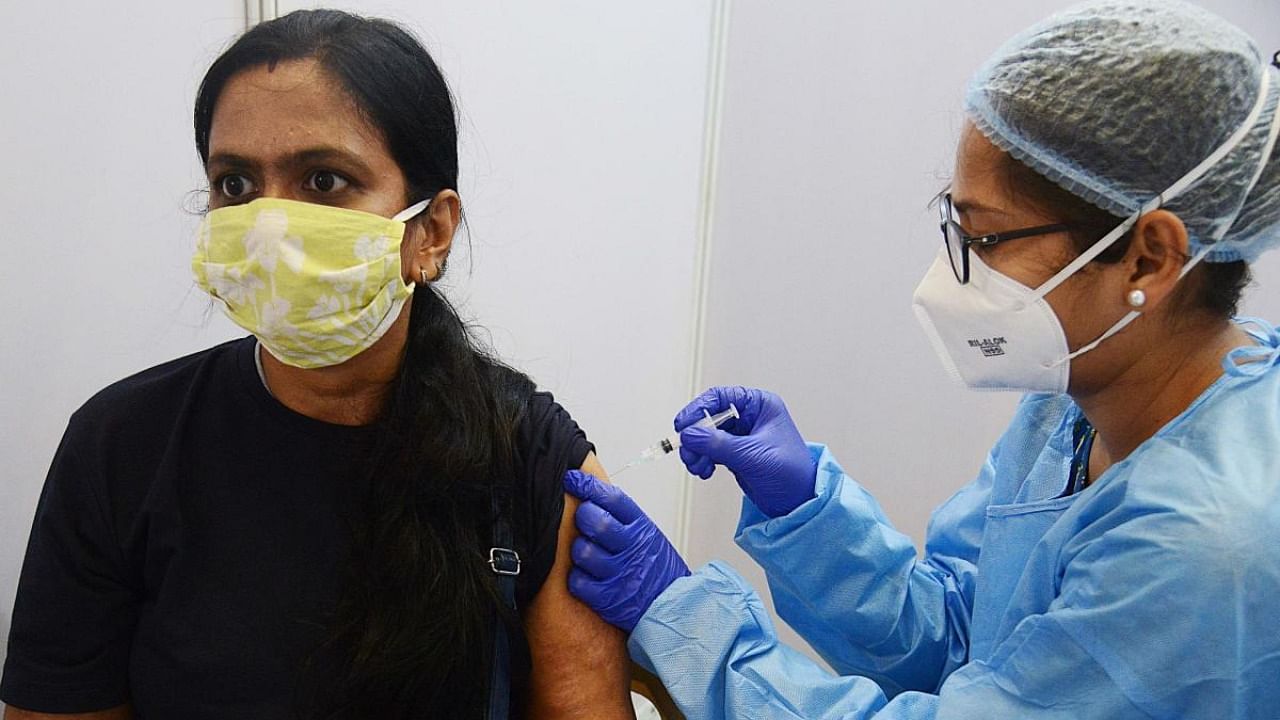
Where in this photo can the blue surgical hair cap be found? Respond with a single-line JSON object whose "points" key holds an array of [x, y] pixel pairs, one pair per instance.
{"points": [[1116, 100]]}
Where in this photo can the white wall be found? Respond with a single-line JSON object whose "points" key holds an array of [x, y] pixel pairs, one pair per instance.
{"points": [[840, 122], [581, 156]]}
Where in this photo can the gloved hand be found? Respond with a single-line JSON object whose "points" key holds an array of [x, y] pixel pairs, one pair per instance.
{"points": [[622, 561], [762, 448]]}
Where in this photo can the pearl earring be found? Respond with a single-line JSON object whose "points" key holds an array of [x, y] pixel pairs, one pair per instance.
{"points": [[423, 273], [1137, 298]]}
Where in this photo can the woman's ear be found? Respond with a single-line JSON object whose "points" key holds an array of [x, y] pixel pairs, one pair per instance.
{"points": [[1157, 254], [429, 238]]}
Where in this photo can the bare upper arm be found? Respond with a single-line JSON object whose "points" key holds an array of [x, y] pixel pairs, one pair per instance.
{"points": [[123, 712], [580, 663]]}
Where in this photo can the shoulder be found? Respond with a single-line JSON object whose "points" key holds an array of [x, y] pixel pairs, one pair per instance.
{"points": [[154, 389], [140, 410], [540, 425], [543, 429], [1205, 491], [1220, 457]]}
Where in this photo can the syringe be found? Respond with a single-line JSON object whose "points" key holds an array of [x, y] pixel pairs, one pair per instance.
{"points": [[671, 443]]}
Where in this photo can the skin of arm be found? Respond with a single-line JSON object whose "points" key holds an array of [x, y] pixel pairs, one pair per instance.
{"points": [[123, 712], [580, 664]]}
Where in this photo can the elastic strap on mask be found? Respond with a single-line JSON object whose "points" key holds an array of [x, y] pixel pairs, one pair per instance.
{"points": [[1172, 192], [412, 211], [1133, 314]]}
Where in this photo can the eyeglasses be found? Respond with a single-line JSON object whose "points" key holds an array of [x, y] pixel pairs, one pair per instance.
{"points": [[957, 242]]}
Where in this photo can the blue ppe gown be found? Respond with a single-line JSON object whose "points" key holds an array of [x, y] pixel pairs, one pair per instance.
{"points": [[1152, 593]]}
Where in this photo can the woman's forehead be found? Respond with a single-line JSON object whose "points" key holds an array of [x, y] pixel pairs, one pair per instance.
{"points": [[264, 113], [976, 155], [979, 176]]}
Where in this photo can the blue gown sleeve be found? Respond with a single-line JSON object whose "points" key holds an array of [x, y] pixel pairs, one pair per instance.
{"points": [[710, 640], [853, 586]]}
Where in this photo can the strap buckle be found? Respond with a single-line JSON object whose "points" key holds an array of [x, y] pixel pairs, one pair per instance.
{"points": [[504, 561]]}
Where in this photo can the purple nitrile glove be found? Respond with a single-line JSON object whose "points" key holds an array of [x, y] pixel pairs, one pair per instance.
{"points": [[622, 561], [762, 448]]}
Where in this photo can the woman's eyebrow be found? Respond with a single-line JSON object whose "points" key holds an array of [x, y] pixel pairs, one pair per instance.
{"points": [[972, 206], [230, 160], [329, 154], [320, 154]]}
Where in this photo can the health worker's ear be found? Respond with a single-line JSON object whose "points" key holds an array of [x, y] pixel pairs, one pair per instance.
{"points": [[1156, 256], [428, 238]]}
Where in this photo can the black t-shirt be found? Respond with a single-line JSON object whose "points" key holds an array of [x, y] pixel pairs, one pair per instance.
{"points": [[189, 534]]}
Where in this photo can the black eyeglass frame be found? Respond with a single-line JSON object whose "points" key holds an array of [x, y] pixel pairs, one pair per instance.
{"points": [[960, 265]]}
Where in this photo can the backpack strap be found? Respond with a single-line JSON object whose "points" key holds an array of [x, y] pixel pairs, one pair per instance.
{"points": [[504, 561]]}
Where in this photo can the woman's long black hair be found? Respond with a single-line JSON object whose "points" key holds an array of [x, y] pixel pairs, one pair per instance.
{"points": [[412, 633]]}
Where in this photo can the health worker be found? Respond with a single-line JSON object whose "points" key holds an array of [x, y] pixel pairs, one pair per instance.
{"points": [[1118, 554]]}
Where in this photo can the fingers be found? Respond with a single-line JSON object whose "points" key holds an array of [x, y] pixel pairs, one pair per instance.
{"points": [[595, 523], [592, 591], [594, 560], [709, 401], [588, 488], [601, 596], [583, 486], [714, 445], [602, 527], [584, 587], [699, 465]]}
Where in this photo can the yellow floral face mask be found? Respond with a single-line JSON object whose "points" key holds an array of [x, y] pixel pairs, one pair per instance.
{"points": [[316, 284]]}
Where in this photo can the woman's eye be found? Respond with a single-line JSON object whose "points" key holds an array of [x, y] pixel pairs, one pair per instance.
{"points": [[233, 186], [326, 182]]}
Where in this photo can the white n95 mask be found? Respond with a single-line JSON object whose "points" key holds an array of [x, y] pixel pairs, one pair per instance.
{"points": [[992, 333], [995, 333]]}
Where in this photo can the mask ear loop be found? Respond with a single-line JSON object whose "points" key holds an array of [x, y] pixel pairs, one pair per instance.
{"points": [[412, 211], [1180, 186], [1132, 314]]}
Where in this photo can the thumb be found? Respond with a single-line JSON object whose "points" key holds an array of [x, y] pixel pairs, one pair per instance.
{"points": [[581, 485], [719, 446], [588, 487]]}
